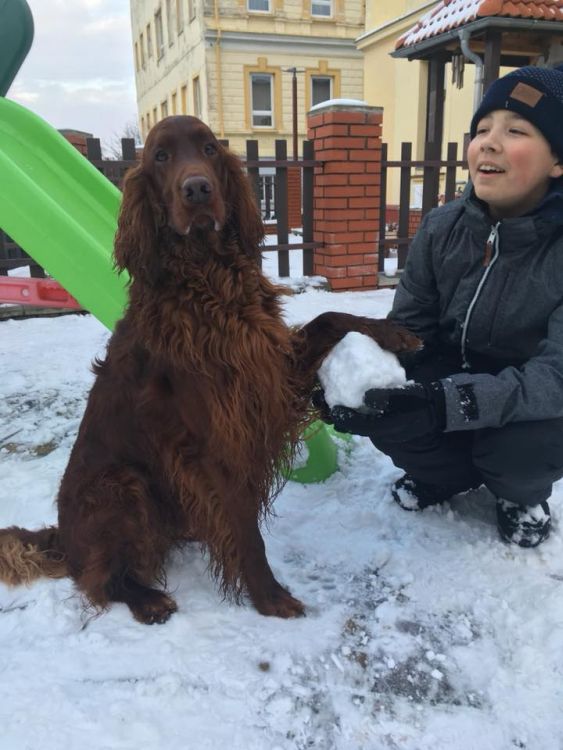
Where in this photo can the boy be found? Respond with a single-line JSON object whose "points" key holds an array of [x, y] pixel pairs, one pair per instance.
{"points": [[483, 288]]}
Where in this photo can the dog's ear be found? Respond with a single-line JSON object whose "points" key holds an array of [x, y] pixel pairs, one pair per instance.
{"points": [[243, 214], [141, 217]]}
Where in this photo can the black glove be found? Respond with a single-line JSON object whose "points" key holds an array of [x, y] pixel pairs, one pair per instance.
{"points": [[320, 404], [395, 414]]}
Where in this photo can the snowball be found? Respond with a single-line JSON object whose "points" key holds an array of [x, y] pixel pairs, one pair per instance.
{"points": [[356, 364]]}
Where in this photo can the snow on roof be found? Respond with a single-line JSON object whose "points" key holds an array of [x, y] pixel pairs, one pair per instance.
{"points": [[450, 14]]}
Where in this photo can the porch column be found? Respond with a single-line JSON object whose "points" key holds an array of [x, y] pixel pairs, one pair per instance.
{"points": [[347, 139], [493, 47], [435, 99]]}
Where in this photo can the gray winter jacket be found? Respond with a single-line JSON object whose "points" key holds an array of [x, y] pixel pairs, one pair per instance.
{"points": [[494, 292]]}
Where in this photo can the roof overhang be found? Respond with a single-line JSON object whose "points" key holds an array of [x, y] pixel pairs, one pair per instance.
{"points": [[440, 42]]}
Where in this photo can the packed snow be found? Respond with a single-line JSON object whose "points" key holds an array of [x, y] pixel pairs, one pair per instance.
{"points": [[423, 630], [355, 364]]}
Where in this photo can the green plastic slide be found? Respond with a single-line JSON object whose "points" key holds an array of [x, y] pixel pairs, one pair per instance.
{"points": [[61, 210]]}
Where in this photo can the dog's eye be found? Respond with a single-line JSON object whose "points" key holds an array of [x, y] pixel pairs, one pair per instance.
{"points": [[161, 155], [209, 149]]}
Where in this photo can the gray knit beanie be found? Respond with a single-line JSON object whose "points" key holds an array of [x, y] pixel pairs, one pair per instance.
{"points": [[534, 93]]}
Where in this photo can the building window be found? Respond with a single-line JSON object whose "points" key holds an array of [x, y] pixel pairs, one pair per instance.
{"points": [[321, 89], [197, 96], [261, 89], [191, 10], [179, 16], [148, 121], [321, 8], [137, 66], [174, 103], [262, 6], [184, 99], [159, 34], [164, 109], [154, 116], [169, 23], [149, 40], [142, 49]]}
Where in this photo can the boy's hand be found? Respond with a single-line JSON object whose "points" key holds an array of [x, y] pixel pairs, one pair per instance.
{"points": [[395, 414]]}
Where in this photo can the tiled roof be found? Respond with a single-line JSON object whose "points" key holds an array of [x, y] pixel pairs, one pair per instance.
{"points": [[449, 14]]}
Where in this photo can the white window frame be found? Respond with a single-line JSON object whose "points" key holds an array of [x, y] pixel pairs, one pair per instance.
{"points": [[259, 10], [262, 112], [321, 7], [317, 76]]}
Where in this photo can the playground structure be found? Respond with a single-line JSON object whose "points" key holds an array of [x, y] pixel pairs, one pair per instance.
{"points": [[63, 212], [55, 204]]}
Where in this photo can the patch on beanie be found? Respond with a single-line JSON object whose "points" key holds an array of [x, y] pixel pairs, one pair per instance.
{"points": [[526, 94]]}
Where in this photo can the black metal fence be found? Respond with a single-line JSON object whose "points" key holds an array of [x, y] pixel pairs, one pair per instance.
{"points": [[280, 203], [269, 177], [434, 172]]}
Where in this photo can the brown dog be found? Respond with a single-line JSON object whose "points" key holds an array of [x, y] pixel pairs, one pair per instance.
{"points": [[199, 402]]}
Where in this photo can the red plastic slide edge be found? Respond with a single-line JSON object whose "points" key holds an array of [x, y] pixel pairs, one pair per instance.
{"points": [[38, 292]]}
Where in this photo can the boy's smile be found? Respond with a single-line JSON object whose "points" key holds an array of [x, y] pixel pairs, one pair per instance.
{"points": [[510, 164]]}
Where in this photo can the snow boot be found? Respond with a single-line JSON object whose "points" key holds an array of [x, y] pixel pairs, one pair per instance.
{"points": [[412, 494], [524, 525]]}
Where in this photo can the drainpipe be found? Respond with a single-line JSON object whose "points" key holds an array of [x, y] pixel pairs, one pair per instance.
{"points": [[218, 66], [464, 37]]}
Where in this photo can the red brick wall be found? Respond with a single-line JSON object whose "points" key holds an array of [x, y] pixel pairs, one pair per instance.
{"points": [[294, 197], [347, 138], [77, 138], [415, 217]]}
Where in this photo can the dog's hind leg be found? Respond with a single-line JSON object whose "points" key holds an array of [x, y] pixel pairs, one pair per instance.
{"points": [[115, 543]]}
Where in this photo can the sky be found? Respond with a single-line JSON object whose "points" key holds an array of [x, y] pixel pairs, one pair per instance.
{"points": [[423, 631], [79, 72]]}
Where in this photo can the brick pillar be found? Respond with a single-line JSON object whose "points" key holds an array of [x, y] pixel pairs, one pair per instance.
{"points": [[347, 138], [294, 197]]}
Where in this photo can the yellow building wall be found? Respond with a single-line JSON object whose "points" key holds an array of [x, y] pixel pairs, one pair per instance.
{"points": [[379, 12], [225, 42], [236, 68], [164, 78], [400, 85]]}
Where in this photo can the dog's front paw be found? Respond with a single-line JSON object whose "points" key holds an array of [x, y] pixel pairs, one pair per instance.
{"points": [[278, 602], [392, 337]]}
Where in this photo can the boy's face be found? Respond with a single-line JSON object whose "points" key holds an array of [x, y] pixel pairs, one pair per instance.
{"points": [[510, 164]]}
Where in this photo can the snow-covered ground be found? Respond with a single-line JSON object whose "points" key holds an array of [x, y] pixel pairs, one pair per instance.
{"points": [[423, 631]]}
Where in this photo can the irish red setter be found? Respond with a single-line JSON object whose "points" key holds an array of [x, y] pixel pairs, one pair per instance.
{"points": [[199, 402]]}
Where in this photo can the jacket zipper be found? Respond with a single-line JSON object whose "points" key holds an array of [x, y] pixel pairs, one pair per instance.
{"points": [[492, 251]]}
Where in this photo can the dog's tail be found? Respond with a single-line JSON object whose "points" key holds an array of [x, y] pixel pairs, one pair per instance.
{"points": [[28, 555]]}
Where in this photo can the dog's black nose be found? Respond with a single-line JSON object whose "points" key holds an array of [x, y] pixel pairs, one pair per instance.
{"points": [[197, 189]]}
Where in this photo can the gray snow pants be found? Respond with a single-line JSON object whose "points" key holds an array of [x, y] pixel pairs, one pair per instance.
{"points": [[518, 462]]}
